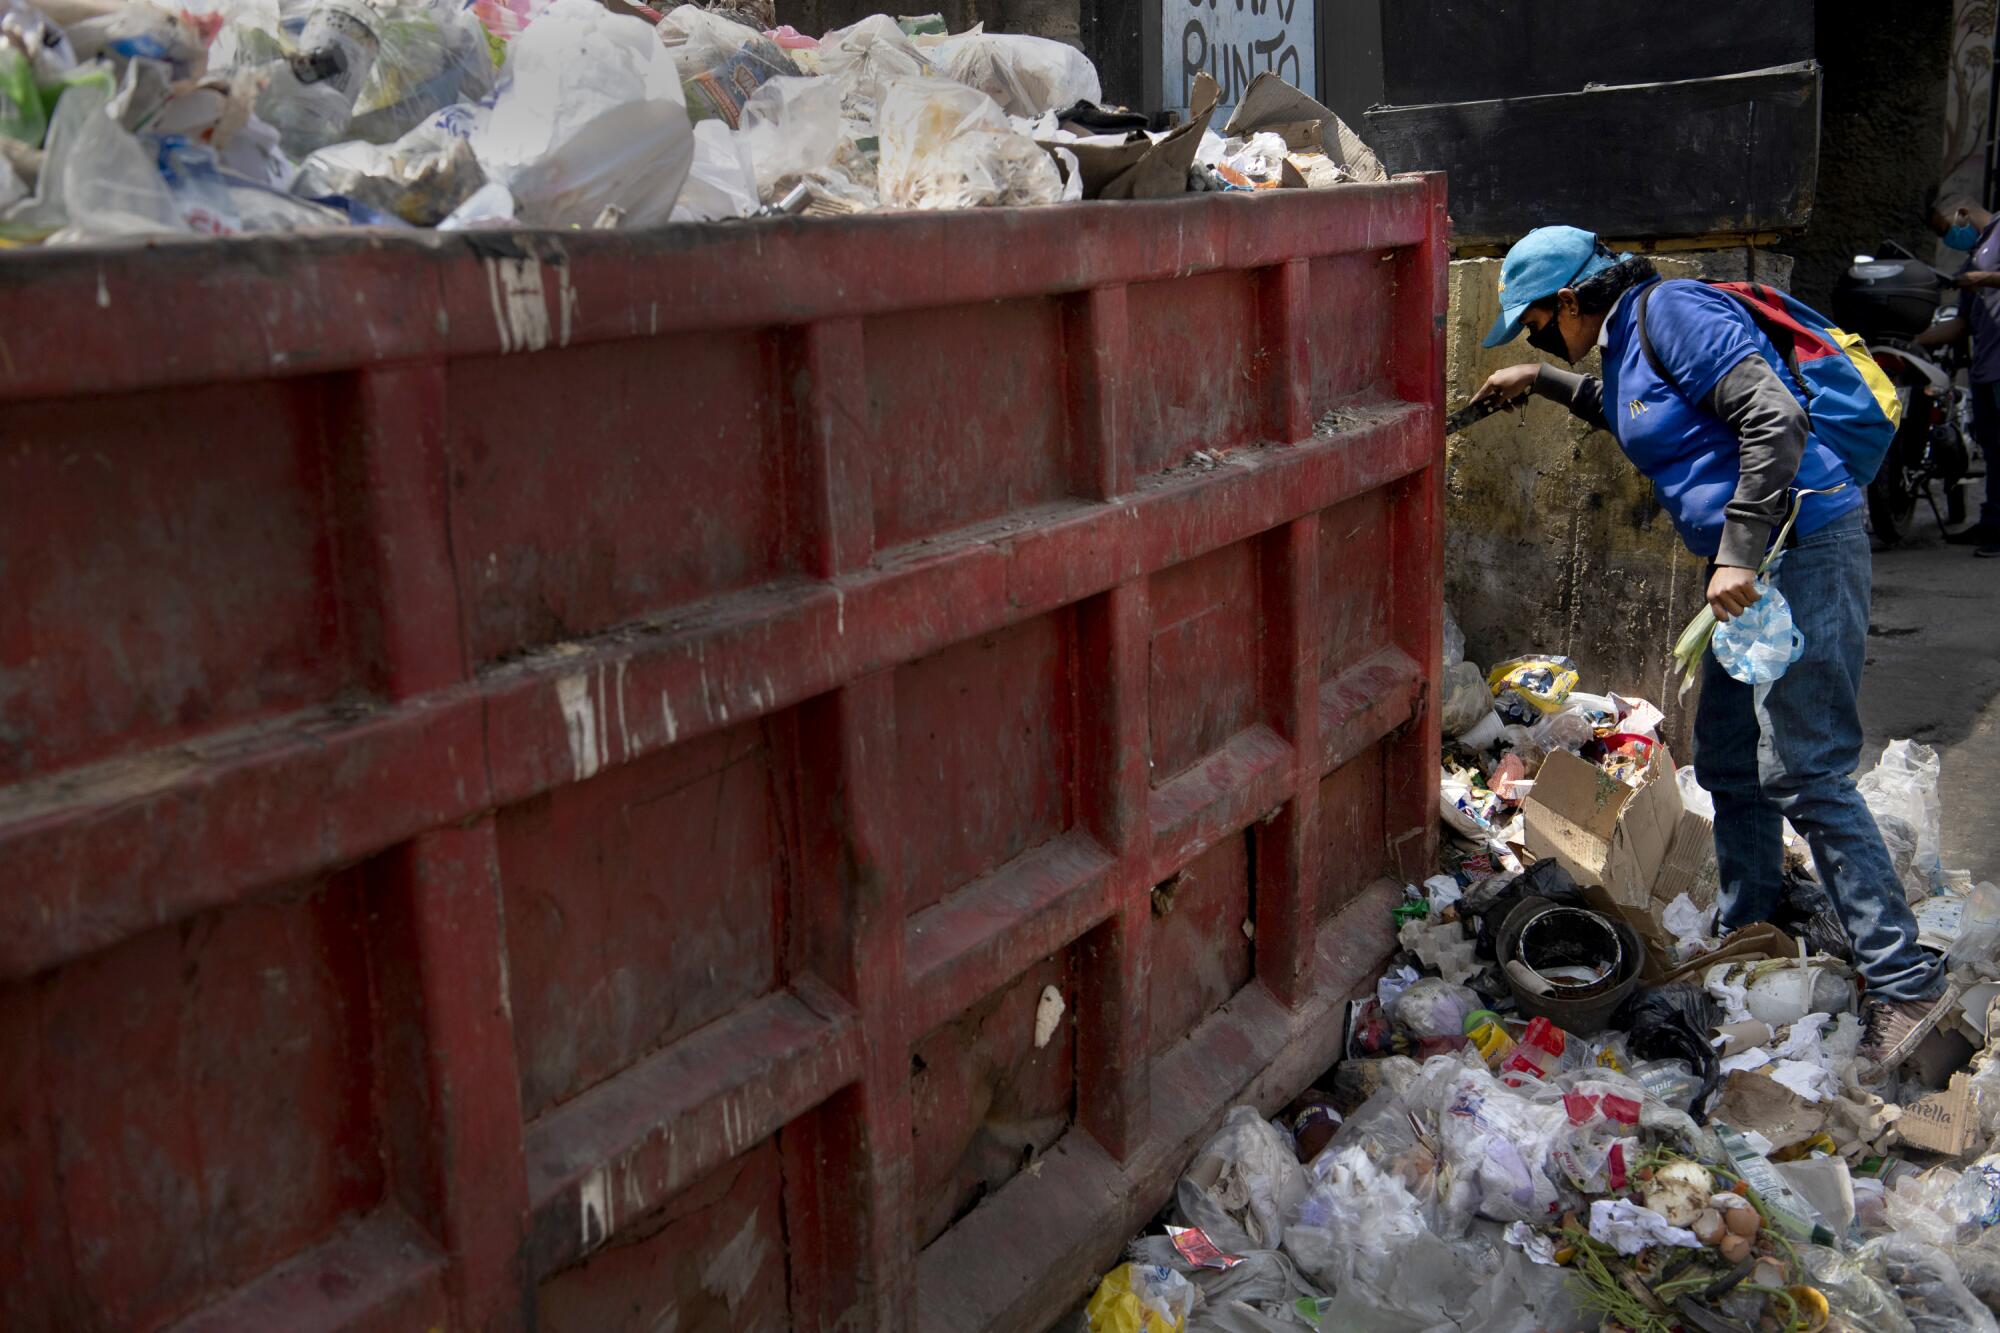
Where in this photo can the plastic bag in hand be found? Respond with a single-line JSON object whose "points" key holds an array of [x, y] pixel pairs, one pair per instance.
{"points": [[945, 145], [589, 117], [1760, 644]]}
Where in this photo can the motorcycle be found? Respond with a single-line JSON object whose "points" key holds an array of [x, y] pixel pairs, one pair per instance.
{"points": [[1889, 301]]}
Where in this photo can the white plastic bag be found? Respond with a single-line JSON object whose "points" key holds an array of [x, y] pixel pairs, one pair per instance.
{"points": [[865, 58], [1467, 701], [1025, 75], [1242, 1185], [1362, 1235], [98, 181], [722, 62], [791, 126], [1454, 637], [721, 182], [590, 117], [945, 145], [1902, 794], [421, 178]]}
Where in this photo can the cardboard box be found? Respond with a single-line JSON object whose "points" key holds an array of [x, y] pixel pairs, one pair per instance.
{"points": [[1632, 849], [1944, 1122]]}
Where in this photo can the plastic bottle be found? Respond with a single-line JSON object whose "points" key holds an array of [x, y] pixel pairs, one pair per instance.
{"points": [[1672, 1081], [310, 98], [1488, 1037]]}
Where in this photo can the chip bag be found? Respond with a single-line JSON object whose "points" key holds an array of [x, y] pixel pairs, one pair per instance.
{"points": [[1525, 689]]}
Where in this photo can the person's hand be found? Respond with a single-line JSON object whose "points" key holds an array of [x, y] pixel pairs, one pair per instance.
{"points": [[1732, 590], [1979, 278], [1510, 384]]}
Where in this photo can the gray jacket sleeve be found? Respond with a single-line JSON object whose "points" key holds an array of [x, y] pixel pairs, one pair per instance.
{"points": [[1583, 395], [1771, 429]]}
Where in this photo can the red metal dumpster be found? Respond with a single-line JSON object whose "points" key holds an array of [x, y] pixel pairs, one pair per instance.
{"points": [[559, 781]]}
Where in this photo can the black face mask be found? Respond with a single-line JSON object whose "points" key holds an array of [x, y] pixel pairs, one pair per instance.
{"points": [[1549, 339]]}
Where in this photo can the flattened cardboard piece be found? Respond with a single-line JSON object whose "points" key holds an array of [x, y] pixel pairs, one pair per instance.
{"points": [[1769, 1107], [1944, 1122], [1762, 940], [1145, 169], [1272, 104]]}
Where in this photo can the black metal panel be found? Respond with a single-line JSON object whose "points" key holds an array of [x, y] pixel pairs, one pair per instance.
{"points": [[1475, 50], [1733, 154]]}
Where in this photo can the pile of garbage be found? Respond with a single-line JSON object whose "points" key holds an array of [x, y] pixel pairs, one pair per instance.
{"points": [[131, 118], [1568, 1105]]}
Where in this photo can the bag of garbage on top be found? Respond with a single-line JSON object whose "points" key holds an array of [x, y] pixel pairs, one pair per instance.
{"points": [[1025, 75], [1242, 1185], [1759, 645], [721, 62], [589, 117], [420, 178], [945, 145]]}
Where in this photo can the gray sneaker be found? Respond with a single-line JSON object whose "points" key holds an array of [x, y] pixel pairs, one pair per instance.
{"points": [[1895, 1027]]}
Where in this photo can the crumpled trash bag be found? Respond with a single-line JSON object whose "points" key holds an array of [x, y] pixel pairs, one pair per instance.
{"points": [[1242, 1185], [1926, 1281], [1432, 1008], [1760, 644], [421, 178], [1264, 1278], [590, 116], [945, 145], [791, 126], [1528, 688], [1671, 1023], [722, 182], [433, 55], [1025, 75], [865, 57], [1467, 702], [1902, 793], [1454, 637]]}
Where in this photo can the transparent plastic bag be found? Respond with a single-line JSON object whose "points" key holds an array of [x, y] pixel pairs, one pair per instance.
{"points": [[1433, 1008], [866, 57], [1759, 644], [721, 182], [1902, 793], [1362, 1234], [791, 126], [945, 145], [1454, 637], [139, 30], [34, 56], [589, 117], [1467, 701], [98, 180], [1242, 1185], [1926, 1281], [722, 63], [1025, 75], [1529, 688], [431, 55], [421, 178]]}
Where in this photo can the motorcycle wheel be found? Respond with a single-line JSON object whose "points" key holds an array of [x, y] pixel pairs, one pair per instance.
{"points": [[1891, 505]]}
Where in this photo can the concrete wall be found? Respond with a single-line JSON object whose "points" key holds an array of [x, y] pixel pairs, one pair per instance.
{"points": [[1553, 541], [1882, 123]]}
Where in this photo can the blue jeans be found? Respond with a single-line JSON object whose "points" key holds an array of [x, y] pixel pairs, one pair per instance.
{"points": [[1788, 750]]}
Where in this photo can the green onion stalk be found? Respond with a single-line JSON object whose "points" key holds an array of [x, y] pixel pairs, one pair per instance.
{"points": [[1693, 643]]}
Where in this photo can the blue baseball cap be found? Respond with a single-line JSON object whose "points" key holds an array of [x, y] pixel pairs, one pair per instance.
{"points": [[1541, 264]]}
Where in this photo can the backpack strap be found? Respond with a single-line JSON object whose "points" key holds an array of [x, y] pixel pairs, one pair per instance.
{"points": [[1780, 336]]}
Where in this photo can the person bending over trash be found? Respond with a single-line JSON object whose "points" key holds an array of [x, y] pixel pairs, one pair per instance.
{"points": [[1700, 398]]}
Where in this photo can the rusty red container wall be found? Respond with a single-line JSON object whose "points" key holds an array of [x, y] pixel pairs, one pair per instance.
{"points": [[549, 778]]}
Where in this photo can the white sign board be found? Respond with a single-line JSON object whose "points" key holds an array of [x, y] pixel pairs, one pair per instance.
{"points": [[1234, 41]]}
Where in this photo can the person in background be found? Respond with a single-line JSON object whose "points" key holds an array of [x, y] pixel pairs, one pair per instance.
{"points": [[1963, 225], [1725, 439]]}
